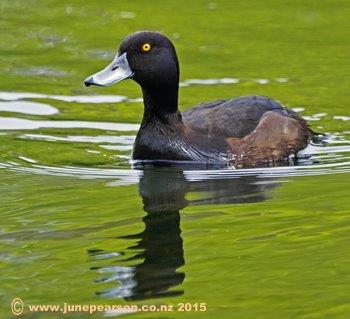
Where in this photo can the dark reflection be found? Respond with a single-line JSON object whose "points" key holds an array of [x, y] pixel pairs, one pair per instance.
{"points": [[153, 270]]}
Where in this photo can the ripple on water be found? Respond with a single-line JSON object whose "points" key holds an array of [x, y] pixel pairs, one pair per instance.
{"points": [[39, 71], [315, 160], [100, 54], [116, 143], [13, 96], [130, 176], [26, 107], [314, 117], [209, 81], [12, 123], [229, 80], [127, 15], [122, 139], [342, 118]]}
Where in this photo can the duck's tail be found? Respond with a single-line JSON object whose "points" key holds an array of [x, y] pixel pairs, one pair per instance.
{"points": [[316, 137]]}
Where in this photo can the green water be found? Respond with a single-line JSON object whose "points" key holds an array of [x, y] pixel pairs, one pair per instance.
{"points": [[79, 225]]}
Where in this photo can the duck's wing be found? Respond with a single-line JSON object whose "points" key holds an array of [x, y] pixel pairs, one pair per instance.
{"points": [[233, 118], [253, 129], [275, 138]]}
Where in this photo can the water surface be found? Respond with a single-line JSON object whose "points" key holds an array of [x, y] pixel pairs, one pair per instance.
{"points": [[83, 224]]}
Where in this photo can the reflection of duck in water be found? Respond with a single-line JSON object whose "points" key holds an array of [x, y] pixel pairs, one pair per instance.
{"points": [[163, 194], [160, 242]]}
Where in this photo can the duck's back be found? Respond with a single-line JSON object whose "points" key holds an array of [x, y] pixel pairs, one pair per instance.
{"points": [[234, 118]]}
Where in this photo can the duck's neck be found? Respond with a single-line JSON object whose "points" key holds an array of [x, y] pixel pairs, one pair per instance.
{"points": [[161, 104]]}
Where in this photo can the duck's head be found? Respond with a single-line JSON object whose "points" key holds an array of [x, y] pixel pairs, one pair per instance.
{"points": [[149, 58]]}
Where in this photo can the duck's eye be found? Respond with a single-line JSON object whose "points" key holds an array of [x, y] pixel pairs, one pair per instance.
{"points": [[146, 47]]}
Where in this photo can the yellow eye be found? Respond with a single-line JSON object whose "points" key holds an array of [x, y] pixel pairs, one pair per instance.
{"points": [[146, 47]]}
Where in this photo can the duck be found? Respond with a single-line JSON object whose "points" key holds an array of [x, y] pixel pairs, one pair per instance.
{"points": [[247, 131]]}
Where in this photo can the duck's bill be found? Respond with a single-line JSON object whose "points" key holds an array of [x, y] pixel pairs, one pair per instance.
{"points": [[115, 72]]}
